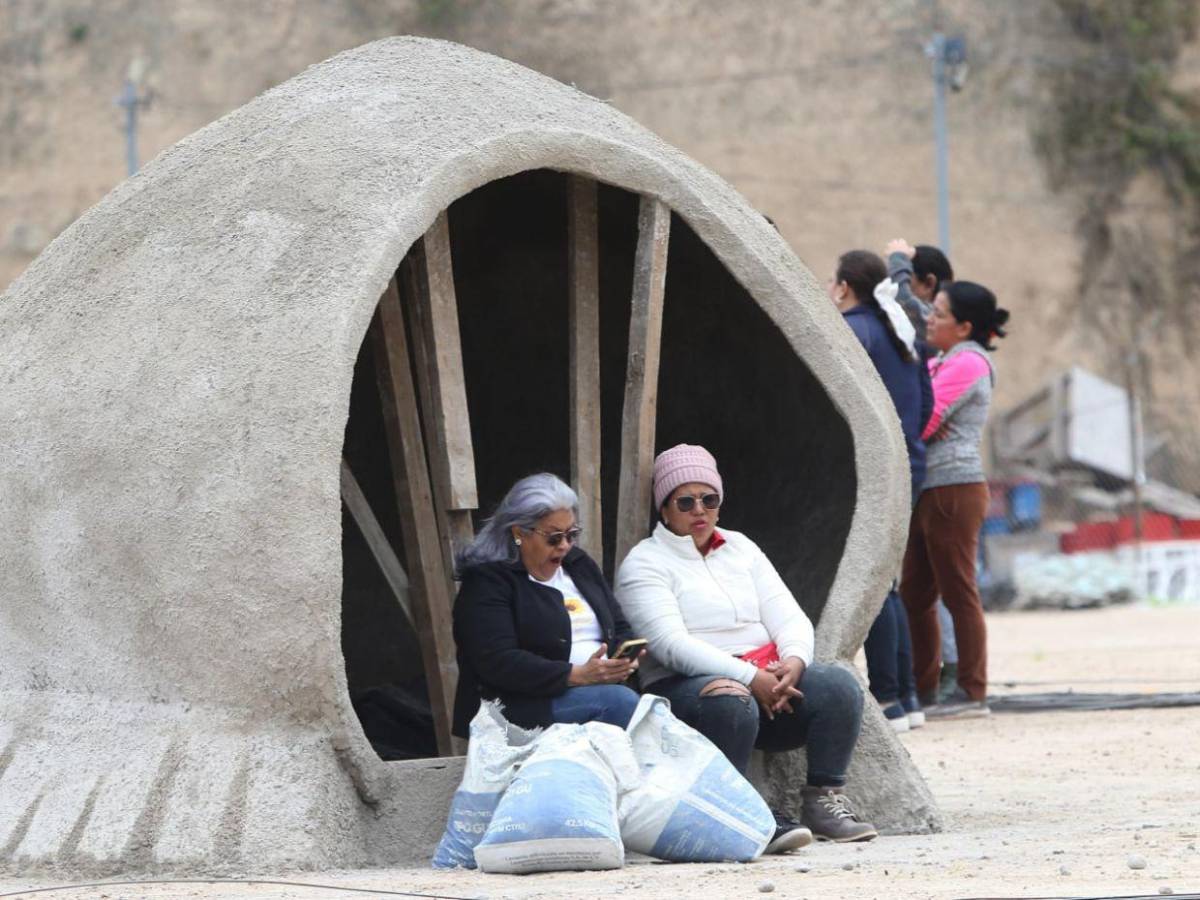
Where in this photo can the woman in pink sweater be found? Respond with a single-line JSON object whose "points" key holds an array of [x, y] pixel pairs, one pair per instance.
{"points": [[943, 537]]}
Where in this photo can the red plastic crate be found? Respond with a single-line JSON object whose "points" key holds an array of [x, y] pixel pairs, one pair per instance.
{"points": [[1155, 527], [1189, 528], [1089, 536]]}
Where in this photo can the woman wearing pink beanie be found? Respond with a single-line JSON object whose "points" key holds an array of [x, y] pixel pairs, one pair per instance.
{"points": [[732, 650]]}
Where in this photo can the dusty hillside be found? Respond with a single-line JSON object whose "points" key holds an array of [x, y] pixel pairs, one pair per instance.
{"points": [[817, 110]]}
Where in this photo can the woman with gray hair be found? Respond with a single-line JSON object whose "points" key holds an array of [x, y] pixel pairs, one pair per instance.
{"points": [[535, 622]]}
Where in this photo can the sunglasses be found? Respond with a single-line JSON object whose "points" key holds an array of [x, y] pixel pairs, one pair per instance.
{"points": [[687, 502], [554, 538]]}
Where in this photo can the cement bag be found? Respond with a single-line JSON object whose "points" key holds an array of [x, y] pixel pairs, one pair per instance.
{"points": [[691, 804], [560, 812], [496, 749]]}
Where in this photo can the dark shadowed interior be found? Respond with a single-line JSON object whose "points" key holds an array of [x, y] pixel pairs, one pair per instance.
{"points": [[728, 380]]}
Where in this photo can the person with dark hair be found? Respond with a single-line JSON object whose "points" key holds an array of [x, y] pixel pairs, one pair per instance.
{"points": [[867, 300], [944, 534], [918, 273]]}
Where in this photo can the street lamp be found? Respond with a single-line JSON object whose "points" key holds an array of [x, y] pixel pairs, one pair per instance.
{"points": [[949, 57], [130, 99]]}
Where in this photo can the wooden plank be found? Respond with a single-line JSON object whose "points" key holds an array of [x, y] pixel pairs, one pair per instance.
{"points": [[414, 285], [430, 285], [377, 541], [641, 374], [583, 317], [429, 581]]}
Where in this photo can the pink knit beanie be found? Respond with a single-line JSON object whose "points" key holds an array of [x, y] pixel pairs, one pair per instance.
{"points": [[681, 464]]}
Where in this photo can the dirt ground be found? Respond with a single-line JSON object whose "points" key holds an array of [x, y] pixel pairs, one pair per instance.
{"points": [[1037, 804]]}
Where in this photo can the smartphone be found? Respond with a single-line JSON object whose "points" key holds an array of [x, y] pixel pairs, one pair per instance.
{"points": [[630, 649]]}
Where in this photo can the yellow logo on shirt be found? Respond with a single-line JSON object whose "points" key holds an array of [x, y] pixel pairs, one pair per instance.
{"points": [[572, 604]]}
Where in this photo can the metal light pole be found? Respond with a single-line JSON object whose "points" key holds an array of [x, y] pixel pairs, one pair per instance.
{"points": [[130, 99], [949, 57]]}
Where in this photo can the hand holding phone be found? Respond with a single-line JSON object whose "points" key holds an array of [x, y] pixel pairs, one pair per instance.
{"points": [[630, 649]]}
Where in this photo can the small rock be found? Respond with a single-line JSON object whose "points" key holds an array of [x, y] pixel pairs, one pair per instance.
{"points": [[1191, 846], [802, 868], [848, 866], [1063, 870], [1136, 836], [1166, 889], [1135, 862], [1057, 852], [767, 887]]}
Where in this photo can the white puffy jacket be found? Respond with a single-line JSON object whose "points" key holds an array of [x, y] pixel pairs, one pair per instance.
{"points": [[700, 612]]}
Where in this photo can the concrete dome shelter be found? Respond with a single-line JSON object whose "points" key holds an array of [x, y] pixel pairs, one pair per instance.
{"points": [[254, 396]]}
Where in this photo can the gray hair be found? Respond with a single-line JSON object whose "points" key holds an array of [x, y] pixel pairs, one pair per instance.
{"points": [[526, 502]]}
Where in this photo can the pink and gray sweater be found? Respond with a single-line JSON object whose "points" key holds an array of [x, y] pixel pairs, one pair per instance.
{"points": [[962, 392]]}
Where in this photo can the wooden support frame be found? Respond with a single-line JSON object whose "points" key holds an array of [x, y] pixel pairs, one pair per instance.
{"points": [[583, 316], [428, 276], [641, 374], [429, 586], [377, 541]]}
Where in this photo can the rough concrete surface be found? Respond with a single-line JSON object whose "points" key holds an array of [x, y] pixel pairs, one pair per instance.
{"points": [[1052, 804], [177, 368]]}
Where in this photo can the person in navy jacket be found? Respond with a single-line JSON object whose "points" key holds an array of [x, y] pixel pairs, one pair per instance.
{"points": [[867, 299]]}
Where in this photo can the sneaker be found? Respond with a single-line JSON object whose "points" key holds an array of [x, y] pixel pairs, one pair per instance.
{"points": [[896, 717], [959, 706], [789, 835], [912, 709], [947, 681], [827, 813]]}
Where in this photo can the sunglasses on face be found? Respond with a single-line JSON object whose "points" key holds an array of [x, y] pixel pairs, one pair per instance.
{"points": [[687, 502], [554, 538]]}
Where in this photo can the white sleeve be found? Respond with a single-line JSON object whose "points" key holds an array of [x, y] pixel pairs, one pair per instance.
{"points": [[782, 616], [652, 608]]}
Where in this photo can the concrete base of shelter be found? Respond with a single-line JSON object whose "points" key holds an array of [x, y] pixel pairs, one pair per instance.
{"points": [[181, 788]]}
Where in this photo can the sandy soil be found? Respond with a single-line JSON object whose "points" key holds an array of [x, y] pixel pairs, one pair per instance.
{"points": [[1037, 804]]}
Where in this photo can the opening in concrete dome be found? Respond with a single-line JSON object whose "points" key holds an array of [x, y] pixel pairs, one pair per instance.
{"points": [[725, 369], [373, 288]]}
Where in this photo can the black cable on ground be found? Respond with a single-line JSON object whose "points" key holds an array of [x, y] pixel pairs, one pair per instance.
{"points": [[301, 884], [1155, 896], [1071, 700]]}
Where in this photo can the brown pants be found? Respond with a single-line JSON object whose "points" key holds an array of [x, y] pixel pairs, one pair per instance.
{"points": [[943, 539]]}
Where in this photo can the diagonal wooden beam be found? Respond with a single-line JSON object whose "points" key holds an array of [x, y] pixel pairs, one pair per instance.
{"points": [[583, 317], [428, 274], [377, 541], [429, 580], [641, 374]]}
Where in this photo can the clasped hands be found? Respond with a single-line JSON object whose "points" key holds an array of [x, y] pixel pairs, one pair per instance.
{"points": [[775, 686]]}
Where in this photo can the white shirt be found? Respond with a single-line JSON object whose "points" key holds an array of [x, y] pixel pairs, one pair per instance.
{"points": [[585, 627], [699, 613]]}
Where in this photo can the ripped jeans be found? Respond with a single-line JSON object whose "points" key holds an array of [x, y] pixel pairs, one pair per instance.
{"points": [[825, 722]]}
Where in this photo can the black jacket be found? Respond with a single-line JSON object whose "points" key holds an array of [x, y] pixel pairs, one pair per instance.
{"points": [[514, 637]]}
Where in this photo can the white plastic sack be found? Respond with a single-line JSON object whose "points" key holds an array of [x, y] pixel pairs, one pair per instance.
{"points": [[691, 804], [560, 811], [496, 749]]}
